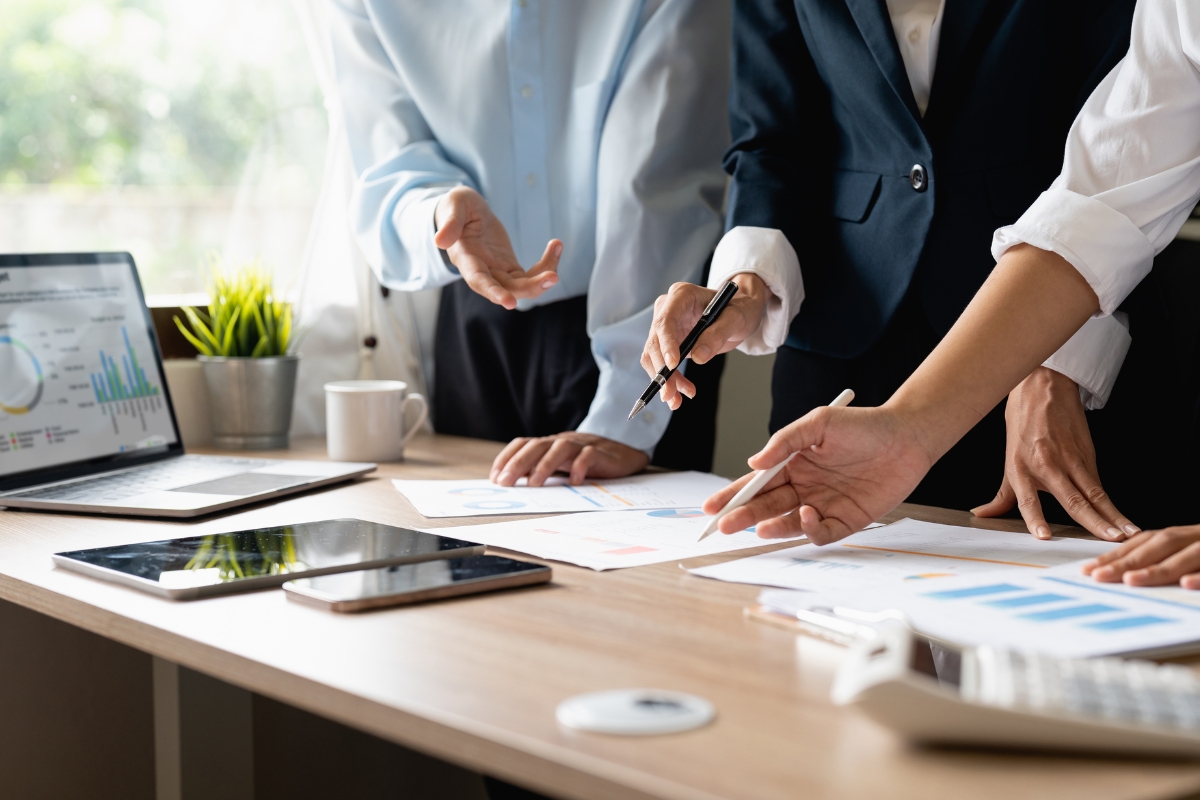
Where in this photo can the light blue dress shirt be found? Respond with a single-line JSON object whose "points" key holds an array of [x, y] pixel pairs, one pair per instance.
{"points": [[599, 122]]}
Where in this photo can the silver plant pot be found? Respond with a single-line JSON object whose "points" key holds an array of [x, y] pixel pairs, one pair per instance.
{"points": [[250, 400]]}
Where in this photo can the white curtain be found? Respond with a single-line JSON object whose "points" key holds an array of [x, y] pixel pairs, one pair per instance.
{"points": [[341, 306]]}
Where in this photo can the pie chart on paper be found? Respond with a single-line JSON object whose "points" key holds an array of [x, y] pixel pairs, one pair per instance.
{"points": [[495, 505]]}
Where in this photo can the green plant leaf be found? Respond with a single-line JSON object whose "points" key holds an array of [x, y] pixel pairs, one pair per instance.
{"points": [[230, 329], [200, 346], [201, 330]]}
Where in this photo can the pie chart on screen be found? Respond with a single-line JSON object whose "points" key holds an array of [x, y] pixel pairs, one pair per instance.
{"points": [[676, 513], [20, 377]]}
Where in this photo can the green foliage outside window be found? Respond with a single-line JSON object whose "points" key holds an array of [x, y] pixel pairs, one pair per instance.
{"points": [[135, 92]]}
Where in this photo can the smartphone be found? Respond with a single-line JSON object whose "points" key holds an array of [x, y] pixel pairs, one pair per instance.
{"points": [[414, 583]]}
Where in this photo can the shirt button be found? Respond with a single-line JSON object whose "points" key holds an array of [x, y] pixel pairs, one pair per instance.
{"points": [[918, 178], [531, 179], [527, 91], [914, 35]]}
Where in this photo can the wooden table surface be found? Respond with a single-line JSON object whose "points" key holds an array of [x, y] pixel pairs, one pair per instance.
{"points": [[476, 680]]}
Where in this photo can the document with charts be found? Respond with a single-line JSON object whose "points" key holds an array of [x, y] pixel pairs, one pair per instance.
{"points": [[908, 551], [609, 539], [478, 498], [1057, 611]]}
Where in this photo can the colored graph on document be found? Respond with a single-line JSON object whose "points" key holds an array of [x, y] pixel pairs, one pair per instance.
{"points": [[1039, 606], [124, 382]]}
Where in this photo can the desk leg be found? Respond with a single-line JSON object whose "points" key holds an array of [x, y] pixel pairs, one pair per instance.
{"points": [[203, 736]]}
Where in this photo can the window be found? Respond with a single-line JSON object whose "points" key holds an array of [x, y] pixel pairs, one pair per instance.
{"points": [[169, 128]]}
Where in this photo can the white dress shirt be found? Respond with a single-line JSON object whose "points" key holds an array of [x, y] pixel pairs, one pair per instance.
{"points": [[599, 122], [1131, 174], [767, 253]]}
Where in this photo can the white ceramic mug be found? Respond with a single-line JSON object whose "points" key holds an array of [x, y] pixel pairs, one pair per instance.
{"points": [[368, 420]]}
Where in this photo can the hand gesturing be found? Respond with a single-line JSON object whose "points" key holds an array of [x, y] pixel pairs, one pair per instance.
{"points": [[479, 246]]}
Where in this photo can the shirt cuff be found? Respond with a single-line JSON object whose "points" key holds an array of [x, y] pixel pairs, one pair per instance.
{"points": [[767, 253], [1103, 244], [413, 218], [1093, 357], [620, 387]]}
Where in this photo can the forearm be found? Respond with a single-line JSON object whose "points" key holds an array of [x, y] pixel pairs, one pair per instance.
{"points": [[1030, 305]]}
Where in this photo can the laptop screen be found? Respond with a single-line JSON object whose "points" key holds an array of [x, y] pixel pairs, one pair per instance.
{"points": [[80, 377]]}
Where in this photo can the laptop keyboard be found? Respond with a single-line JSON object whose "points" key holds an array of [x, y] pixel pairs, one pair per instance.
{"points": [[170, 474]]}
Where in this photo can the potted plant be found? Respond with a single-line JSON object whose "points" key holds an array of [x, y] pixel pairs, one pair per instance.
{"points": [[243, 342]]}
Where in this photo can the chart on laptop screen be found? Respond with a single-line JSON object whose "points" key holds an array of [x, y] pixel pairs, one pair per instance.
{"points": [[78, 375]]}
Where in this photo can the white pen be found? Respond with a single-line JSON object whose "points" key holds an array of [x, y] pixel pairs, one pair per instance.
{"points": [[762, 478]]}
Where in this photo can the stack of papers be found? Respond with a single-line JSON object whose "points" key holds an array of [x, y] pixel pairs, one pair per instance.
{"points": [[1058, 611], [977, 587], [609, 539], [631, 522], [908, 551]]}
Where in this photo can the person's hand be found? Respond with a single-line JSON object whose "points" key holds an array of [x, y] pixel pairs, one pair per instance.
{"points": [[678, 311], [1050, 449], [1152, 558], [580, 454], [852, 466], [479, 246]]}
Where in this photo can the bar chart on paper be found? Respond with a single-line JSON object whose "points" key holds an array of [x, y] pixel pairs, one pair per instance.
{"points": [[1060, 611], [1057, 611], [609, 539]]}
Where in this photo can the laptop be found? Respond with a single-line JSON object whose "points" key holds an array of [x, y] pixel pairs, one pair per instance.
{"points": [[86, 421]]}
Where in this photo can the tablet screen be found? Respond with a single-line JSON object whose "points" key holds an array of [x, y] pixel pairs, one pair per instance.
{"points": [[290, 550]]}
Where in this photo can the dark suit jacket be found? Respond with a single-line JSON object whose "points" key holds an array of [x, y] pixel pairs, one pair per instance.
{"points": [[826, 133]]}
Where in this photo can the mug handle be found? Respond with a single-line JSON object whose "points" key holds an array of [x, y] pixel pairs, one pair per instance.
{"points": [[420, 399]]}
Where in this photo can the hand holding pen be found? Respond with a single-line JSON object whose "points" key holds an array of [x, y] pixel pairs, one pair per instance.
{"points": [[678, 312], [707, 318]]}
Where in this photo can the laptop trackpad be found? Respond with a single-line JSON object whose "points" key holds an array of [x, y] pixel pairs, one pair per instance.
{"points": [[245, 484]]}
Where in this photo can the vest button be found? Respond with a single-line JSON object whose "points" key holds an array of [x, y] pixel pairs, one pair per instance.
{"points": [[918, 178]]}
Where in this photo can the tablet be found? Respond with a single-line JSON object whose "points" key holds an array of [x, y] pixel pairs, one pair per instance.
{"points": [[223, 563]]}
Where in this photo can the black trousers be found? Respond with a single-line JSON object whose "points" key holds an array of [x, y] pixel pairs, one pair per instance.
{"points": [[502, 374], [965, 477]]}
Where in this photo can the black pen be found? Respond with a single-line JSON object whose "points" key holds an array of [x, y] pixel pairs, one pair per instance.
{"points": [[715, 307]]}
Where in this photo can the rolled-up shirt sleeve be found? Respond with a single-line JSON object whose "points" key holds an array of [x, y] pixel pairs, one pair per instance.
{"points": [[658, 198], [1130, 178], [400, 169]]}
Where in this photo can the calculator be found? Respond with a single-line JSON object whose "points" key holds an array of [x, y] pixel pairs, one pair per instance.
{"points": [[938, 693]]}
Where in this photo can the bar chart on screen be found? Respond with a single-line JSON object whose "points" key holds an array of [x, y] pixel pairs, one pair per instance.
{"points": [[79, 375]]}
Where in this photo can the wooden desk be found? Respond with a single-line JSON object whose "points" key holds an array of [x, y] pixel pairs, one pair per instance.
{"points": [[475, 681]]}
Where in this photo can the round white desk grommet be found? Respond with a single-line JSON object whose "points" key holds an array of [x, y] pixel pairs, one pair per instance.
{"points": [[635, 712]]}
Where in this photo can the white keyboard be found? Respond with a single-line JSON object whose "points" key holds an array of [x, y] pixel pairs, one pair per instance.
{"points": [[1116, 689], [170, 474]]}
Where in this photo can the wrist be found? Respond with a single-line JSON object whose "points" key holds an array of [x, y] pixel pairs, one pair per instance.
{"points": [[753, 295], [933, 423]]}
